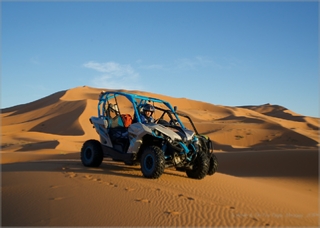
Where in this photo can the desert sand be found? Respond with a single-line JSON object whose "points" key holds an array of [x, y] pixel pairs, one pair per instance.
{"points": [[267, 176]]}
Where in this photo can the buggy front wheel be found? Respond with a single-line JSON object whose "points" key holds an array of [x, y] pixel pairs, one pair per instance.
{"points": [[200, 167], [152, 162], [213, 166]]}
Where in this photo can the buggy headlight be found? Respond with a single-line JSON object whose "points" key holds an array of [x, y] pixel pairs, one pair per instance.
{"points": [[195, 142], [195, 139], [157, 133]]}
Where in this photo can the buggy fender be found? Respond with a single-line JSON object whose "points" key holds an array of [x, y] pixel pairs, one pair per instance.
{"points": [[136, 132], [100, 126]]}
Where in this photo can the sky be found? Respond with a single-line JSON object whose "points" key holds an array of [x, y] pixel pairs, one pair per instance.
{"points": [[228, 53]]}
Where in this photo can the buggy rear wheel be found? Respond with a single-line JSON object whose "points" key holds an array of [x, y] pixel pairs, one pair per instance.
{"points": [[213, 166], [152, 162], [91, 153], [200, 167]]}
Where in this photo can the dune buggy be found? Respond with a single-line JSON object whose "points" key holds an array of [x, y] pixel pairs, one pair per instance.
{"points": [[155, 146]]}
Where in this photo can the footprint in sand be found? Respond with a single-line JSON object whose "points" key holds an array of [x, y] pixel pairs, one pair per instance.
{"points": [[187, 197], [70, 175], [56, 198], [129, 189], [142, 200], [111, 184], [169, 212], [54, 186], [97, 179], [89, 177]]}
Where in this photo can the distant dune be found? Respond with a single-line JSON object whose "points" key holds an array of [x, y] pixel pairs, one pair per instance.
{"points": [[63, 117], [267, 176]]}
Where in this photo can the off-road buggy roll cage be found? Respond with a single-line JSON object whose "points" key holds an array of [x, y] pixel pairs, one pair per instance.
{"points": [[164, 143], [138, 102]]}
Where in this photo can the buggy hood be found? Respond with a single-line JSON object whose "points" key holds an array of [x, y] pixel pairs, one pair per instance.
{"points": [[174, 132]]}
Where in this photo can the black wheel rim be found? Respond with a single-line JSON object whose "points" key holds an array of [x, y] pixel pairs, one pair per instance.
{"points": [[88, 153], [149, 162]]}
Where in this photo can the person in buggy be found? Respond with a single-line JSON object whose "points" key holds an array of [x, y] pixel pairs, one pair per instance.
{"points": [[146, 114]]}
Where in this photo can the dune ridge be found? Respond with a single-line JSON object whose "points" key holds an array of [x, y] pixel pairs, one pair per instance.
{"points": [[66, 113]]}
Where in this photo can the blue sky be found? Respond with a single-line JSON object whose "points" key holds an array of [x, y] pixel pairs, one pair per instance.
{"points": [[225, 53]]}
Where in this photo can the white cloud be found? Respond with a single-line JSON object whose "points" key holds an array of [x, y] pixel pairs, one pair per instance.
{"points": [[110, 67], [152, 67], [182, 64], [186, 63], [115, 76]]}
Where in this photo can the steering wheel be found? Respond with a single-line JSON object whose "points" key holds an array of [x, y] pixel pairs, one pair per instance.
{"points": [[174, 122], [162, 122]]}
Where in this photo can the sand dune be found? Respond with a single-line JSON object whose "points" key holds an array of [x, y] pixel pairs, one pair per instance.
{"points": [[268, 169], [258, 127]]}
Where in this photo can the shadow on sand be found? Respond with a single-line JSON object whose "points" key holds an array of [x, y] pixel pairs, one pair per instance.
{"points": [[276, 163]]}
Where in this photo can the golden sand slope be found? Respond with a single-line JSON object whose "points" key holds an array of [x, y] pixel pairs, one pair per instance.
{"points": [[59, 119], [268, 169]]}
